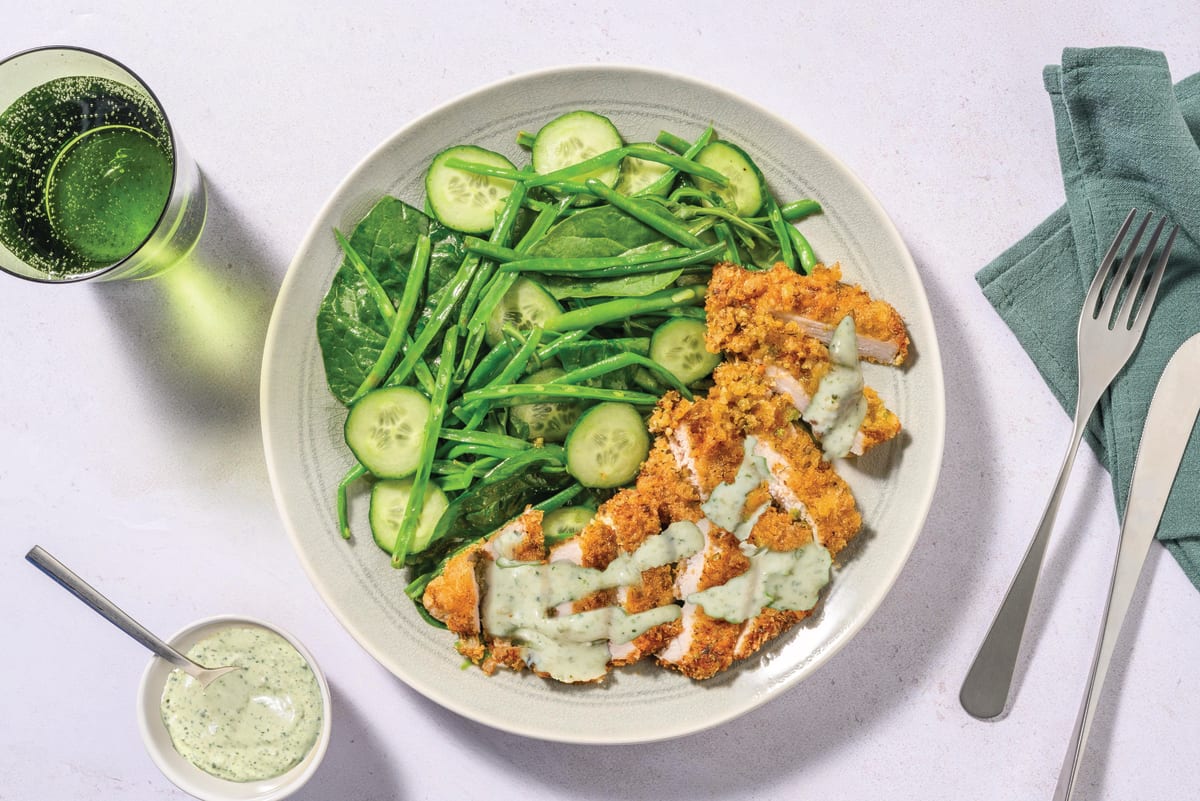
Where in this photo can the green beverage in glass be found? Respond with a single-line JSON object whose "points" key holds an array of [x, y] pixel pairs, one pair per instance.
{"points": [[93, 183]]}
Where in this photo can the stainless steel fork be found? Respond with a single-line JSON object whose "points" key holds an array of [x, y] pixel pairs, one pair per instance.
{"points": [[1106, 338]]}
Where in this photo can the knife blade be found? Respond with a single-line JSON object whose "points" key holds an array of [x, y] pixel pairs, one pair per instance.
{"points": [[1174, 408]]}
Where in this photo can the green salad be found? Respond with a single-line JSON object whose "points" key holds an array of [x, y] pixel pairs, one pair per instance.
{"points": [[502, 347]]}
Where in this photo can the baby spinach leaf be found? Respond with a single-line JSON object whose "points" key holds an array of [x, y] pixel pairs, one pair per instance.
{"points": [[446, 253], [350, 329], [627, 286], [600, 231]]}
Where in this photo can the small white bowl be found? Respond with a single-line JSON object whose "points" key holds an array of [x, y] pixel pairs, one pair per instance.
{"points": [[184, 774]]}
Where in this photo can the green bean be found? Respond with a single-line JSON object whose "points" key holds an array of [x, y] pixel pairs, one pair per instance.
{"points": [[804, 251], [728, 241], [620, 362], [542, 223], [490, 364], [473, 449], [786, 252], [490, 250], [421, 370], [799, 209], [506, 174], [638, 345], [416, 497], [343, 505], [663, 223], [666, 179], [511, 371], [559, 499], [463, 478], [624, 308], [585, 265], [707, 256], [610, 157], [386, 310], [514, 394], [670, 140], [526, 139], [455, 289], [404, 312], [483, 438]]}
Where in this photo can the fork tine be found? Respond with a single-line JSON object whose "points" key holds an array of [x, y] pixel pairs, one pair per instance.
{"points": [[1093, 296], [1156, 277], [1125, 312], [1114, 289]]}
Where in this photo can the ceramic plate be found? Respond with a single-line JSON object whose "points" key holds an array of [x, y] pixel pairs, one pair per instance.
{"points": [[306, 456]]}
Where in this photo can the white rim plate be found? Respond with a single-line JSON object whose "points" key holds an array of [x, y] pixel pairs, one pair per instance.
{"points": [[306, 456]]}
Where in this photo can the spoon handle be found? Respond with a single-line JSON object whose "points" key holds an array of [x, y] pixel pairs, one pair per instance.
{"points": [[85, 592]]}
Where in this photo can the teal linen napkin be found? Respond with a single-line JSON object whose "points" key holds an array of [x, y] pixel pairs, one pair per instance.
{"points": [[1126, 138]]}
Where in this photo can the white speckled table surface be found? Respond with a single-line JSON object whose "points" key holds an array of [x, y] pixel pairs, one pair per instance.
{"points": [[130, 445]]}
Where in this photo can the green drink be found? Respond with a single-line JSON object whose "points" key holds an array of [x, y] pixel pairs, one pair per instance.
{"points": [[92, 183], [85, 172]]}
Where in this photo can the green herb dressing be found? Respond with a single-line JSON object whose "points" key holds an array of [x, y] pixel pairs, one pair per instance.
{"points": [[252, 724], [838, 407], [726, 504], [575, 647], [788, 580]]}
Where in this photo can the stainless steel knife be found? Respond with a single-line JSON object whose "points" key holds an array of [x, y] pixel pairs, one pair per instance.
{"points": [[1173, 412]]}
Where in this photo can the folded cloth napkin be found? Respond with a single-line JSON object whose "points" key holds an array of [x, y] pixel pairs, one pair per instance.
{"points": [[1127, 139]]}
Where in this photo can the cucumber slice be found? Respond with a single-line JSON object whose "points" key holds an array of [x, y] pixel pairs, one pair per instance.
{"points": [[525, 305], [566, 522], [385, 429], [550, 422], [637, 174], [746, 188], [463, 200], [390, 498], [678, 345], [574, 137], [607, 446]]}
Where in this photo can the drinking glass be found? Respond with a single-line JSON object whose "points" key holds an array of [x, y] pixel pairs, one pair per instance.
{"points": [[94, 183]]}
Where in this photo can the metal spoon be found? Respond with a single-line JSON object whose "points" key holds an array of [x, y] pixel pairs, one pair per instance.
{"points": [[85, 592]]}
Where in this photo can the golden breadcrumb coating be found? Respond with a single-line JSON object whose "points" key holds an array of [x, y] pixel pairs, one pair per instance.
{"points": [[736, 295]]}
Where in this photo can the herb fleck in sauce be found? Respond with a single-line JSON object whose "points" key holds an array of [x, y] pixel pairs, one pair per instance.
{"points": [[251, 724]]}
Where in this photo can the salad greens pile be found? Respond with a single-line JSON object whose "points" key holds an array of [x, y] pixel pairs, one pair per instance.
{"points": [[491, 346]]}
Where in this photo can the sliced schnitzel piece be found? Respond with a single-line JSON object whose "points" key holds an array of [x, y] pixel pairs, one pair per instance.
{"points": [[707, 439], [705, 644], [747, 326], [633, 520], [455, 597], [812, 305]]}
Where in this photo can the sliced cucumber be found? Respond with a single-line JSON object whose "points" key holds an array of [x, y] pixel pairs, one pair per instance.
{"points": [[637, 174], [550, 422], [566, 522], [678, 345], [574, 137], [525, 305], [385, 429], [463, 200], [389, 499], [607, 446], [746, 188]]}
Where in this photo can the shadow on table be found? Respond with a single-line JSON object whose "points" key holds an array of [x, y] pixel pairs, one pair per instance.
{"points": [[886, 667], [1099, 754], [197, 331], [357, 765]]}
